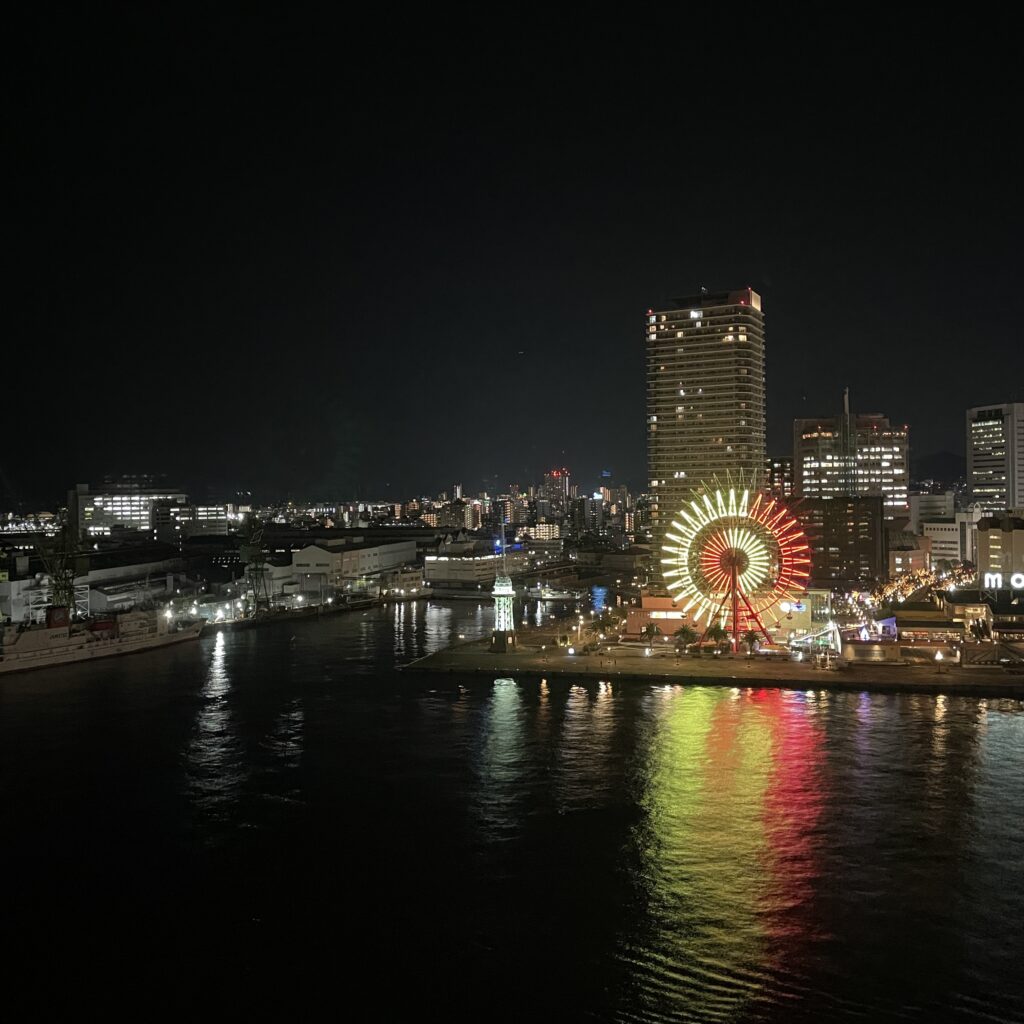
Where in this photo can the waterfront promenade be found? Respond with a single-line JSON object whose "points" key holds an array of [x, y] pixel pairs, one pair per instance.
{"points": [[631, 663]]}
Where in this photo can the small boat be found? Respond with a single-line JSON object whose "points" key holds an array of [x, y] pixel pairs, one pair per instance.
{"points": [[549, 594]]}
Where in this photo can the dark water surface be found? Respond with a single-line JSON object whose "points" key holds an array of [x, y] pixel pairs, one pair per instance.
{"points": [[278, 818]]}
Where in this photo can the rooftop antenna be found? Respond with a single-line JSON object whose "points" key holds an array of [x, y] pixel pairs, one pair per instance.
{"points": [[849, 447]]}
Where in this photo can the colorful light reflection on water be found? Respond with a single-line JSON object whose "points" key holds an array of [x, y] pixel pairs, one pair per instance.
{"points": [[284, 804]]}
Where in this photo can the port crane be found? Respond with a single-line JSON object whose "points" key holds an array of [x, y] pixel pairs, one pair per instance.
{"points": [[254, 559]]}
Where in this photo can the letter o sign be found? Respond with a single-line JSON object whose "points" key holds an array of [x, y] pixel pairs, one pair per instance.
{"points": [[1017, 581]]}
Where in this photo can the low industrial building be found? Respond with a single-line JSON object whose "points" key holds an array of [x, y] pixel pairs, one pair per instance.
{"points": [[468, 572], [102, 586], [318, 573], [406, 581], [337, 564]]}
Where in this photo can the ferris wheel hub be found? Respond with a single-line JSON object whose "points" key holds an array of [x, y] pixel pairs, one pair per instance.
{"points": [[734, 558]]}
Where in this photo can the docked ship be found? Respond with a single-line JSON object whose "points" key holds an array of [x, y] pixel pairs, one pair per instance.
{"points": [[62, 642]]}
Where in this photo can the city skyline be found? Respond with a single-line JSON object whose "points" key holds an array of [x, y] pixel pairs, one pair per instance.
{"points": [[329, 283], [522, 521]]}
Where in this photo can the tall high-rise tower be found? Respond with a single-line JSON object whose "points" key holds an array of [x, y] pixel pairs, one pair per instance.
{"points": [[705, 396], [995, 456]]}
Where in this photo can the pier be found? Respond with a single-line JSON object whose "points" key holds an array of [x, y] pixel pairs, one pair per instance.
{"points": [[632, 663]]}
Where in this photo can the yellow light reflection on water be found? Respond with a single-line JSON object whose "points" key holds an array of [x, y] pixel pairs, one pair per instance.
{"points": [[727, 845]]}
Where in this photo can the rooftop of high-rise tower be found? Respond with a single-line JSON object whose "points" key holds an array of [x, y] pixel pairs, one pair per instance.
{"points": [[739, 297]]}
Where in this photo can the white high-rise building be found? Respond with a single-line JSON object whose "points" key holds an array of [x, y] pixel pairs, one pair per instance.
{"points": [[927, 507], [953, 538], [995, 456]]}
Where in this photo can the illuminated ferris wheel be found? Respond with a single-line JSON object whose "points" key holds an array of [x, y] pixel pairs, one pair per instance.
{"points": [[730, 557]]}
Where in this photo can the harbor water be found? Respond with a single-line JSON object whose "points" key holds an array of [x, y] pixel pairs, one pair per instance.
{"points": [[277, 817]]}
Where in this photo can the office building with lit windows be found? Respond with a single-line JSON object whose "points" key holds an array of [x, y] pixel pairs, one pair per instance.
{"points": [[705, 396], [123, 504], [853, 455], [995, 456], [847, 539]]}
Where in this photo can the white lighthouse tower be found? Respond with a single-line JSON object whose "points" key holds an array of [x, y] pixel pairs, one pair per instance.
{"points": [[504, 635]]}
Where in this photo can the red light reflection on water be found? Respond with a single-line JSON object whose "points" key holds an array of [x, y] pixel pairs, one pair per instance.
{"points": [[793, 805]]}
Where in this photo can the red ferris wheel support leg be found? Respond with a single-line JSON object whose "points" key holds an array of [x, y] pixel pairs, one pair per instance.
{"points": [[756, 618], [718, 612], [735, 587]]}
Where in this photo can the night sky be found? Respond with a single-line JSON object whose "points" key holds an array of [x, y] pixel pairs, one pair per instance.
{"points": [[341, 259]]}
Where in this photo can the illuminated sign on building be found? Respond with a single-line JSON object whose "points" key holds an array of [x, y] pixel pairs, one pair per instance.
{"points": [[994, 581]]}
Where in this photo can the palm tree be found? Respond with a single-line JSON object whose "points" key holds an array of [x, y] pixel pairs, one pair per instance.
{"points": [[750, 639], [650, 631], [716, 633], [685, 636]]}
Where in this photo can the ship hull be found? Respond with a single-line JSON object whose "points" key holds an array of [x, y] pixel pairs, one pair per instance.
{"points": [[94, 650]]}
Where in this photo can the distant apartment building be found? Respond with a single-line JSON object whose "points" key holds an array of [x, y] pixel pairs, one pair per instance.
{"points": [[542, 531], [705, 395], [852, 455], [995, 456], [557, 488], [460, 514], [587, 516]]}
